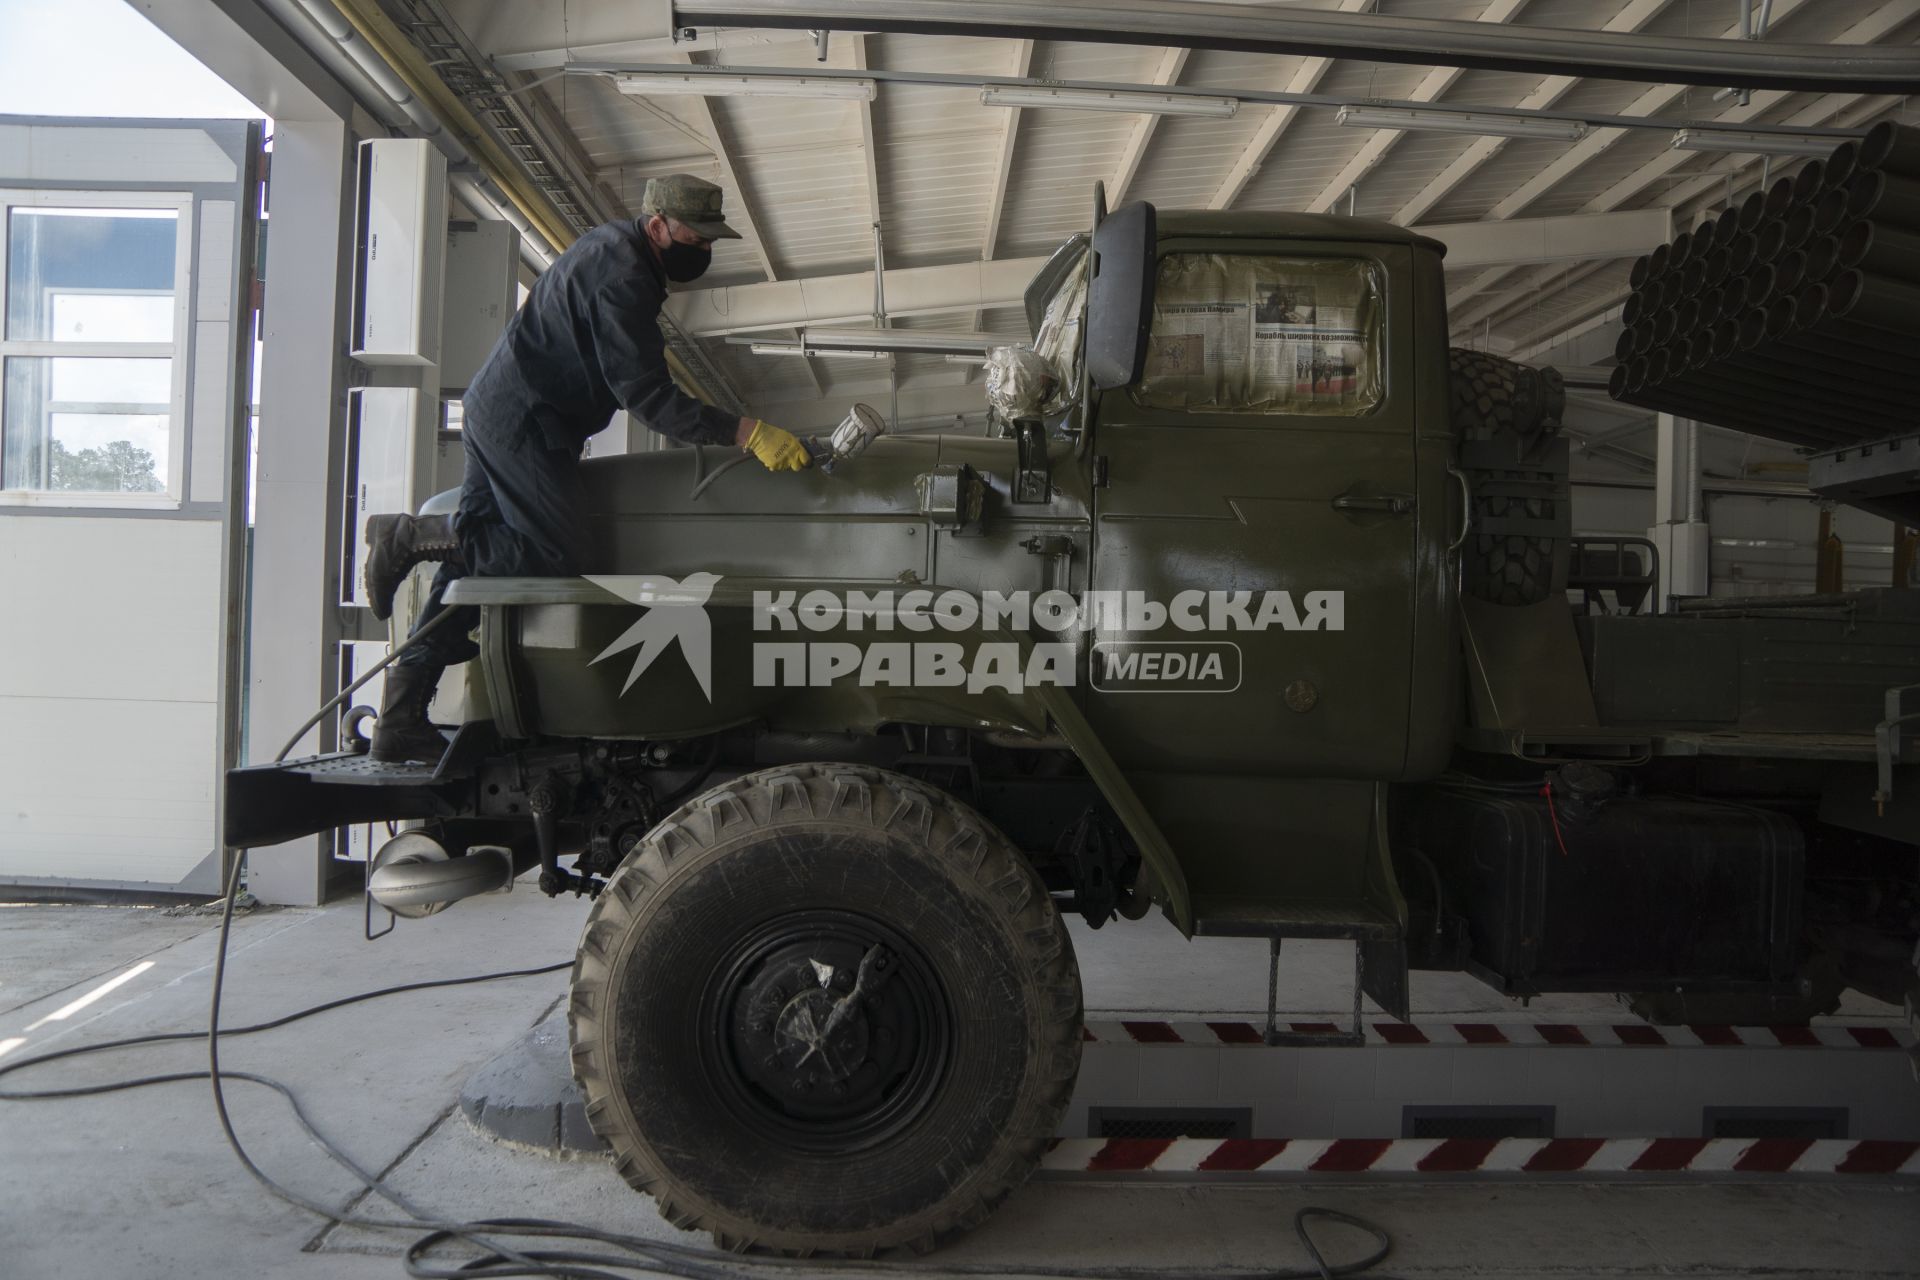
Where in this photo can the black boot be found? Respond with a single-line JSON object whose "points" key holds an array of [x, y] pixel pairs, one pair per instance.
{"points": [[403, 733], [397, 543]]}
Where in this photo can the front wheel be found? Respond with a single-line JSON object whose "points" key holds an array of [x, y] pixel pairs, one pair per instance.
{"points": [[825, 1009]]}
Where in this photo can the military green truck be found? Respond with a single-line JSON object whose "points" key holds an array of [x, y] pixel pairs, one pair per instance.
{"points": [[1269, 617]]}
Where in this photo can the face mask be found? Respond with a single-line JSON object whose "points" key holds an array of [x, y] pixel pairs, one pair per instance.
{"points": [[684, 262]]}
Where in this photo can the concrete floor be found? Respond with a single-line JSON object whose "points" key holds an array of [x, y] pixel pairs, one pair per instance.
{"points": [[141, 1185]]}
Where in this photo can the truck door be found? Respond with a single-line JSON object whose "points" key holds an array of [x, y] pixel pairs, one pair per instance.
{"points": [[1269, 447]]}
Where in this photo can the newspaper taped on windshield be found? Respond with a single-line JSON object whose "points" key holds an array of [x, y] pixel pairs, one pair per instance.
{"points": [[1244, 333]]}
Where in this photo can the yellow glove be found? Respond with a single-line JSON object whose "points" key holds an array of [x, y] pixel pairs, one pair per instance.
{"points": [[778, 450]]}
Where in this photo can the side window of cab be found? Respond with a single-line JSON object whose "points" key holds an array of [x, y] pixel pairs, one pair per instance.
{"points": [[1261, 333]]}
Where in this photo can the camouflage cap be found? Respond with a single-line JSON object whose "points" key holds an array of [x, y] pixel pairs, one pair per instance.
{"points": [[690, 201]]}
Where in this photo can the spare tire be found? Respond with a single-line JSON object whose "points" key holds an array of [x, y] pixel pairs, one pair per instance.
{"points": [[1491, 396]]}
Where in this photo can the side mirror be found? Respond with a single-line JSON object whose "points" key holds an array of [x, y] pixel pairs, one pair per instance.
{"points": [[1120, 296]]}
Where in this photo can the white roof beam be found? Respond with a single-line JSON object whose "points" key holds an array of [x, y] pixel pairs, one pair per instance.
{"points": [[1306, 78], [1009, 134], [528, 35], [1003, 167], [976, 286], [1172, 61], [1650, 103], [1573, 238], [1549, 91], [1520, 295], [859, 46], [1588, 342], [1824, 110], [929, 398], [1434, 84], [848, 299], [1819, 112], [1392, 38], [740, 214]]}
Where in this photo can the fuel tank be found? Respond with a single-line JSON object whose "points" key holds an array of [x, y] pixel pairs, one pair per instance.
{"points": [[1642, 892]]}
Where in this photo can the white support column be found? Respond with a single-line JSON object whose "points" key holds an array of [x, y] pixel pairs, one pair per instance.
{"points": [[295, 627], [1681, 529]]}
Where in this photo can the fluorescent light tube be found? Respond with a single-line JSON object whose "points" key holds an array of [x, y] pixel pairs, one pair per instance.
{"points": [[1157, 104], [795, 349], [1495, 126], [1765, 144], [926, 340], [714, 84]]}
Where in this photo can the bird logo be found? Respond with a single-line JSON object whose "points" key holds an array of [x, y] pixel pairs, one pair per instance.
{"points": [[674, 611]]}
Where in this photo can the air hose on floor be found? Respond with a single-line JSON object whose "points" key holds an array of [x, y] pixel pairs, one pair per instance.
{"points": [[587, 1256]]}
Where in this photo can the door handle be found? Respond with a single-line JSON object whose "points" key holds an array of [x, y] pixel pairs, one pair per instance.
{"points": [[1466, 509], [1392, 504]]}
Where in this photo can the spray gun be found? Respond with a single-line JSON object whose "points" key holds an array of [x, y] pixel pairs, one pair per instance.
{"points": [[862, 425], [860, 428]]}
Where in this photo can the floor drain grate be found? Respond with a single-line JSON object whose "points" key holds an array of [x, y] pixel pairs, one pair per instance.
{"points": [[1155, 1123], [1774, 1122], [1476, 1122]]}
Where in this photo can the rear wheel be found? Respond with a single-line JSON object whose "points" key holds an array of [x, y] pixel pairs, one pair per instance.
{"points": [[827, 1009]]}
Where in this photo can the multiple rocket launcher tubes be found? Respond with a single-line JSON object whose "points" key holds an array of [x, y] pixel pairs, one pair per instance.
{"points": [[1796, 314]]}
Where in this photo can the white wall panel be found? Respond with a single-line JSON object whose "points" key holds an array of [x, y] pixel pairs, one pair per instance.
{"points": [[68, 153], [213, 283], [105, 608], [103, 789], [108, 690], [210, 412]]}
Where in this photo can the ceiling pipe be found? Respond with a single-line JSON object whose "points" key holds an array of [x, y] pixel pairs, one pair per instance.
{"points": [[378, 36], [384, 78], [1364, 36], [489, 204], [479, 192], [1709, 485], [1241, 94], [383, 54]]}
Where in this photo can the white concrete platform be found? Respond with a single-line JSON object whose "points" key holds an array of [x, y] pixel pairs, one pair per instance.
{"points": [[140, 1184]]}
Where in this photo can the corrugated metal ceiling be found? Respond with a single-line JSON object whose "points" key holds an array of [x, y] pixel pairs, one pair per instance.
{"points": [[800, 166]]}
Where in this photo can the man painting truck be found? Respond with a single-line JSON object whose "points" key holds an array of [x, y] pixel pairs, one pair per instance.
{"points": [[1261, 619]]}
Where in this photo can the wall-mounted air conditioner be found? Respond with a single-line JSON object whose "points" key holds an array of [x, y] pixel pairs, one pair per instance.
{"points": [[483, 270], [381, 428], [400, 250]]}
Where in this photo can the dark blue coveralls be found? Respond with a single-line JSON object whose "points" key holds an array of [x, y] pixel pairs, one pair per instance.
{"points": [[586, 342]]}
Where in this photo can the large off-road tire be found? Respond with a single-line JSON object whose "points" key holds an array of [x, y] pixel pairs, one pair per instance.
{"points": [[1508, 568], [715, 959], [1491, 395], [1482, 387]]}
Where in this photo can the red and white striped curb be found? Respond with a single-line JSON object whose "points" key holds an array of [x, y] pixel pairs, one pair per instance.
{"points": [[1522, 1034], [1610, 1156]]}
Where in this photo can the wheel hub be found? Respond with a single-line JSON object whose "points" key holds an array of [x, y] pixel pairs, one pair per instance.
{"points": [[808, 1042], [829, 1055], [805, 1033]]}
